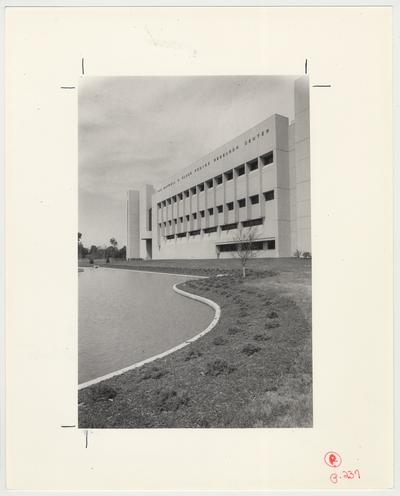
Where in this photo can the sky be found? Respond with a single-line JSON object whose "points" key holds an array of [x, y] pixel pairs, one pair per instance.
{"points": [[138, 130]]}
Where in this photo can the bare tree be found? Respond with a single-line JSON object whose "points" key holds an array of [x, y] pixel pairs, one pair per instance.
{"points": [[245, 241]]}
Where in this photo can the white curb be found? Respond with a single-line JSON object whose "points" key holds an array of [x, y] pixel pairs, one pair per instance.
{"points": [[212, 324]]}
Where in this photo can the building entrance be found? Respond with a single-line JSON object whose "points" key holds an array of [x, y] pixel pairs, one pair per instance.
{"points": [[149, 249]]}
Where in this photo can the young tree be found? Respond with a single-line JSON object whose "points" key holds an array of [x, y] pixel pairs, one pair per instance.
{"points": [[114, 244], [93, 250], [79, 245], [245, 246], [122, 252]]}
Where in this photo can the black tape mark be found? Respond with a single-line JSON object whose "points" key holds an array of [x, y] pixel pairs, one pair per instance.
{"points": [[305, 66], [83, 66], [322, 86]]}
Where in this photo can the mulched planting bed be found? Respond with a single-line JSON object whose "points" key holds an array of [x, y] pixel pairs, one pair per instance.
{"points": [[252, 370]]}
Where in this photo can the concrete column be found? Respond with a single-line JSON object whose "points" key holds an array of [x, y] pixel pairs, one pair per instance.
{"points": [[302, 164], [133, 226]]}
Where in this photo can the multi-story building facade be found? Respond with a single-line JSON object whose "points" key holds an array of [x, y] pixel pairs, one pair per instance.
{"points": [[260, 178]]}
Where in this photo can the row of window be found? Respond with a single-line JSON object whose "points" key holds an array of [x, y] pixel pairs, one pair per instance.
{"points": [[266, 159], [255, 245], [254, 200], [208, 230]]}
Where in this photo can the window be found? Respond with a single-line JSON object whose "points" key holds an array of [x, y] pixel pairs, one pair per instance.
{"points": [[210, 211], [193, 190], [218, 179], [253, 165], [195, 216], [257, 245], [209, 183], [188, 218], [254, 199], [159, 205], [210, 229], [174, 198], [170, 236], [202, 213], [242, 202], [269, 195], [228, 175], [181, 235], [253, 222], [201, 187], [176, 221], [186, 193], [220, 209], [170, 223], [180, 196], [230, 205], [228, 227], [240, 170], [195, 233], [169, 201], [271, 244], [180, 219], [227, 247], [268, 158], [150, 219]]}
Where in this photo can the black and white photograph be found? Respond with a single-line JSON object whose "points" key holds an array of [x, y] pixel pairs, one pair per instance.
{"points": [[194, 252], [192, 198]]}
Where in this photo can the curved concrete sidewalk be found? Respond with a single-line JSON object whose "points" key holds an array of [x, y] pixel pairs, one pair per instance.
{"points": [[212, 324]]}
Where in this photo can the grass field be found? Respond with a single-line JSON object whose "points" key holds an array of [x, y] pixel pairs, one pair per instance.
{"points": [[254, 369]]}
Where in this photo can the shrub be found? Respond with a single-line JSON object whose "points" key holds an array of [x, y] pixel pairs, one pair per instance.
{"points": [[262, 337], [102, 392], [306, 254], [171, 400], [271, 325], [192, 355], [218, 366], [272, 315], [250, 349], [219, 340], [297, 253], [234, 330], [154, 373]]}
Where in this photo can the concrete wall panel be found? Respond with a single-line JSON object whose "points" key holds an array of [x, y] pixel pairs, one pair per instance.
{"points": [[303, 171], [302, 128]]}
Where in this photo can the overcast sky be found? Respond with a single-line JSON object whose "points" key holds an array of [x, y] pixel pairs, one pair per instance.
{"points": [[137, 130]]}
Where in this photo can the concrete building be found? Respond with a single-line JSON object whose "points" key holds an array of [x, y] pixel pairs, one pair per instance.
{"points": [[260, 178]]}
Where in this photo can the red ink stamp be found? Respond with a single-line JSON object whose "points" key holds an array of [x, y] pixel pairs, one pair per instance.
{"points": [[333, 459]]}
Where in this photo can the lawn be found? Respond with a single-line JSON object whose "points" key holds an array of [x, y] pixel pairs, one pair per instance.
{"points": [[254, 369]]}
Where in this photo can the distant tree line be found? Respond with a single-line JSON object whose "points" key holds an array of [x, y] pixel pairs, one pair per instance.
{"points": [[102, 251]]}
